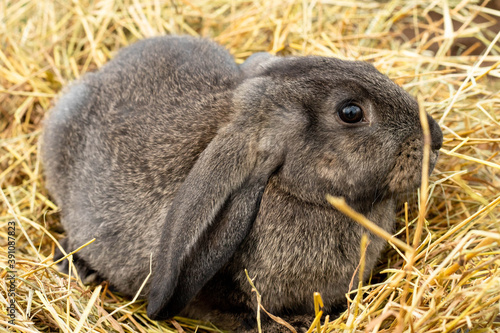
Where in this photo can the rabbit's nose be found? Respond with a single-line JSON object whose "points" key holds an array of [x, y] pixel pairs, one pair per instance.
{"points": [[436, 134]]}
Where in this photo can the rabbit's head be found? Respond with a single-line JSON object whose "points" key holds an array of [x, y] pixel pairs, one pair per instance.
{"points": [[342, 128], [314, 125]]}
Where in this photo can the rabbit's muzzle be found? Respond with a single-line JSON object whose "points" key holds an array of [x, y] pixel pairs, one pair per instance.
{"points": [[406, 174]]}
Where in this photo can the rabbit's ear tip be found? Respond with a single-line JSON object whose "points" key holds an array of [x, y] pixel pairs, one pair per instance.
{"points": [[155, 311]]}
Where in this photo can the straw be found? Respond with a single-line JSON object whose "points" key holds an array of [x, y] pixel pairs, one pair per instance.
{"points": [[451, 283]]}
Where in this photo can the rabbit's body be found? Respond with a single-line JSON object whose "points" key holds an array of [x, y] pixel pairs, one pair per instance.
{"points": [[101, 188], [172, 152]]}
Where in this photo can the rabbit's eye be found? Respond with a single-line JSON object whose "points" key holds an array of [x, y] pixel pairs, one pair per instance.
{"points": [[351, 114]]}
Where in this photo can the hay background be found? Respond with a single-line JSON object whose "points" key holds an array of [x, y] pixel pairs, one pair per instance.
{"points": [[453, 284]]}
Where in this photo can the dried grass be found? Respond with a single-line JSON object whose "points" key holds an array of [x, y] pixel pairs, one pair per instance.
{"points": [[451, 282]]}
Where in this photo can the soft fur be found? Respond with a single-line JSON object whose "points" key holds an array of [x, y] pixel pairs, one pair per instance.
{"points": [[172, 151]]}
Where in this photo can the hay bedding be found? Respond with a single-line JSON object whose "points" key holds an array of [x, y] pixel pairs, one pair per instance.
{"points": [[452, 281]]}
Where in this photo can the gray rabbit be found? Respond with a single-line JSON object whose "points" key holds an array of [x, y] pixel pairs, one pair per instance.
{"points": [[173, 156]]}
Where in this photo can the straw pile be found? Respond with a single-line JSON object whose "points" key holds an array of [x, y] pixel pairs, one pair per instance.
{"points": [[452, 281]]}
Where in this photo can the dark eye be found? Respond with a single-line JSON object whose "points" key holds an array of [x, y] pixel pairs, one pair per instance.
{"points": [[351, 113]]}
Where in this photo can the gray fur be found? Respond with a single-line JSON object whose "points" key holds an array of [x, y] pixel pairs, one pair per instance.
{"points": [[173, 151]]}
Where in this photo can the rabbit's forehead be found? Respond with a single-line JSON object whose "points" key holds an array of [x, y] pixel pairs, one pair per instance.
{"points": [[372, 85], [385, 99], [331, 76], [320, 69]]}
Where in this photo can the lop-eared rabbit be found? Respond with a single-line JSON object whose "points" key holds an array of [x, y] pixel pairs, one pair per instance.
{"points": [[176, 159]]}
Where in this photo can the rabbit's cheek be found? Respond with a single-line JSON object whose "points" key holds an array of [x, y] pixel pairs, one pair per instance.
{"points": [[347, 170], [326, 166], [338, 173]]}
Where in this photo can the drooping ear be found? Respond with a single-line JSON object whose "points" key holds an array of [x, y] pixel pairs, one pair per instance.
{"points": [[210, 216]]}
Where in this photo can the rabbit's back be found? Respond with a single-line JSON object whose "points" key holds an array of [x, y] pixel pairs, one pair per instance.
{"points": [[121, 140]]}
